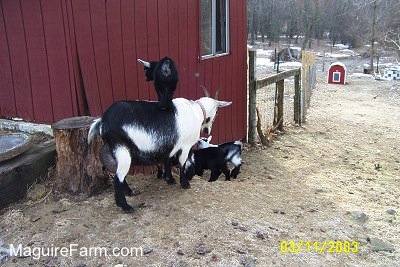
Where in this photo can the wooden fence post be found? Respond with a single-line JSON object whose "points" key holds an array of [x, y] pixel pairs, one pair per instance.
{"points": [[296, 99], [251, 136], [281, 88], [304, 68]]}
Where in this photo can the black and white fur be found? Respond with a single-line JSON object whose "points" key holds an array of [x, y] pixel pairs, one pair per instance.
{"points": [[232, 151], [211, 158], [140, 133], [165, 76]]}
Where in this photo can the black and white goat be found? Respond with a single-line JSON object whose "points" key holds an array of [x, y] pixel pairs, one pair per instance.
{"points": [[232, 152], [211, 158], [165, 76], [140, 133]]}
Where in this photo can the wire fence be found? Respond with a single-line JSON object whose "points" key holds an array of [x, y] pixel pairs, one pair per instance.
{"points": [[266, 103], [308, 81], [279, 100]]}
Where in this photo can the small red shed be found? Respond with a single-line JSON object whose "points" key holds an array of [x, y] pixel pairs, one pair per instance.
{"points": [[337, 73]]}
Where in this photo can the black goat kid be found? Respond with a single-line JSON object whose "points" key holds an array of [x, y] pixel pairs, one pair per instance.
{"points": [[211, 158], [165, 76]]}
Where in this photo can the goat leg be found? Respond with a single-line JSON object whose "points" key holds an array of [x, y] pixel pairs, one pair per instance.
{"points": [[184, 179], [160, 171], [215, 173], [235, 171], [127, 190], [226, 171], [120, 199], [168, 173]]}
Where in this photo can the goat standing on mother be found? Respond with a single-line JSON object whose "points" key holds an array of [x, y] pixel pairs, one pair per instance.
{"points": [[165, 77], [140, 133]]}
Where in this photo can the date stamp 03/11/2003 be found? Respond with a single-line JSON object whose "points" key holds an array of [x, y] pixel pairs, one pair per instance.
{"points": [[326, 246]]}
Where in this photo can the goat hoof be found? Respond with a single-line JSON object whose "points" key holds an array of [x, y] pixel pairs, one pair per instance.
{"points": [[160, 175], [131, 210], [227, 179], [126, 208], [185, 186], [170, 181]]}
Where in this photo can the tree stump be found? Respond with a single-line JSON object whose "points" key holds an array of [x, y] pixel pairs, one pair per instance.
{"points": [[79, 169]]}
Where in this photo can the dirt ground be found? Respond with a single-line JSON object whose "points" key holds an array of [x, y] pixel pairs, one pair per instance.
{"points": [[336, 178]]}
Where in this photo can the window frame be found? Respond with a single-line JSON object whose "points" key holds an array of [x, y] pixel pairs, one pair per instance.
{"points": [[337, 74], [214, 53]]}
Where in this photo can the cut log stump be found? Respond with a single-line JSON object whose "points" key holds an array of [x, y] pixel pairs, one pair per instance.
{"points": [[79, 169]]}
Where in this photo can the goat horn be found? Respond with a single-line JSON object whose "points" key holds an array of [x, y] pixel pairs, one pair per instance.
{"points": [[217, 94], [206, 93], [145, 63]]}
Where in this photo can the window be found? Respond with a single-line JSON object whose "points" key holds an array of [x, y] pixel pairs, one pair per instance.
{"points": [[214, 27], [336, 76]]}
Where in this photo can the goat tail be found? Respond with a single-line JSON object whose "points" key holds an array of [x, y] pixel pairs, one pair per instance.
{"points": [[239, 143], [94, 130]]}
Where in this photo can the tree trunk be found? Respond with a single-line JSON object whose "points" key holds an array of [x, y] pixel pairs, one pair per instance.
{"points": [[79, 169], [371, 62]]}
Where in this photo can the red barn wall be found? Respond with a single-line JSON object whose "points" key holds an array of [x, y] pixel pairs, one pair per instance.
{"points": [[64, 58]]}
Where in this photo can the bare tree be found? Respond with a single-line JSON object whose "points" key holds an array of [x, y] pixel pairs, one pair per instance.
{"points": [[352, 22]]}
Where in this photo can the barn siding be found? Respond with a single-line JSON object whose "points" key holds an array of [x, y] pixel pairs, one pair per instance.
{"points": [[64, 58]]}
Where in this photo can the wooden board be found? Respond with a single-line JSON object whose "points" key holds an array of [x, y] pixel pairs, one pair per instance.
{"points": [[7, 94], [37, 56], [19, 173], [15, 33]]}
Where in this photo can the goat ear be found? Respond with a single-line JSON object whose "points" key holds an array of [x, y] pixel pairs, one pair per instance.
{"points": [[223, 103], [145, 63], [206, 93]]}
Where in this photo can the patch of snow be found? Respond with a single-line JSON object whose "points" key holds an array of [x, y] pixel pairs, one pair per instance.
{"points": [[264, 52], [335, 55], [269, 63], [26, 126], [347, 51], [296, 48], [362, 76], [340, 46], [293, 64], [264, 62]]}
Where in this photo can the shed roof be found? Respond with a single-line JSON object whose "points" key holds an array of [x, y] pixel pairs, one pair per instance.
{"points": [[337, 63]]}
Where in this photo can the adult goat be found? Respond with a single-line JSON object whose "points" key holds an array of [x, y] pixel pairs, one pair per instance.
{"points": [[140, 133]]}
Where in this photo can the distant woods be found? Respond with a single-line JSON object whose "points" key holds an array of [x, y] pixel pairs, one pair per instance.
{"points": [[352, 22]]}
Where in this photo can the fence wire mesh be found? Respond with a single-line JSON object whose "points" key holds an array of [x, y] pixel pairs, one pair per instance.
{"points": [[266, 103], [309, 78]]}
